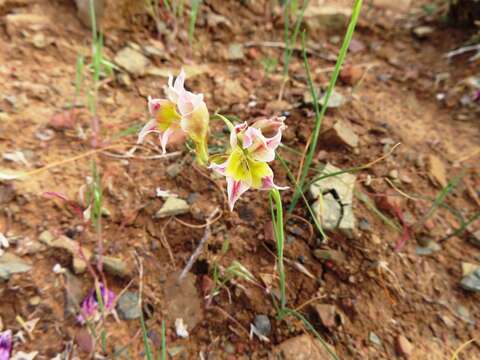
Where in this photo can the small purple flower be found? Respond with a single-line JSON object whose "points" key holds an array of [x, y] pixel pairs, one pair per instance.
{"points": [[476, 96], [90, 307], [5, 344]]}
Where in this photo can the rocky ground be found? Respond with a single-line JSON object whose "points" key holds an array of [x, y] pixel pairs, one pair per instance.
{"points": [[394, 279]]}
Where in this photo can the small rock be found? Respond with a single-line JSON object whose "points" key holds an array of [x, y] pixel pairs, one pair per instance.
{"points": [[430, 247], [84, 341], [336, 99], [174, 169], [364, 225], [83, 11], [172, 207], [64, 242], [393, 174], [64, 120], [7, 193], [341, 134], [235, 52], [303, 347], [337, 257], [473, 238], [327, 17], [465, 314], [128, 307], [132, 61], [404, 347], [327, 314], [34, 300], [180, 328], [423, 32], [374, 339], [351, 74], [229, 348], [11, 264], [396, 6], [263, 325], [175, 350], [117, 267], [468, 268], [471, 282], [436, 171], [124, 80], [40, 41], [17, 23], [328, 210]]}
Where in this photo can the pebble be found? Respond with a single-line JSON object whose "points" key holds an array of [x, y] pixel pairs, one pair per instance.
{"points": [[429, 248], [132, 61], [303, 347], [404, 346], [393, 174], [327, 314], [235, 52], [172, 207], [336, 100], [323, 17], [374, 339], [423, 32], [263, 325], [337, 257], [468, 268], [364, 225], [327, 208], [84, 341], [11, 264], [34, 300], [64, 242], [351, 74], [436, 171], [341, 134], [128, 307], [116, 266], [471, 282], [174, 169]]}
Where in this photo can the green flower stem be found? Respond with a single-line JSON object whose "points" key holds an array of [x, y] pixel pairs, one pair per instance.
{"points": [[277, 220]]}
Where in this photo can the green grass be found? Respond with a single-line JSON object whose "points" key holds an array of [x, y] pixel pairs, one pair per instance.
{"points": [[319, 114], [291, 7], [195, 6]]}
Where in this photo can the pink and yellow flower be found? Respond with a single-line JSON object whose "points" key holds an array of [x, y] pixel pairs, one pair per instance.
{"points": [[182, 113], [90, 305], [252, 148]]}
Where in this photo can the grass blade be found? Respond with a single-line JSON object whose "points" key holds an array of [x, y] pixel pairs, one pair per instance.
{"points": [[320, 114], [193, 19]]}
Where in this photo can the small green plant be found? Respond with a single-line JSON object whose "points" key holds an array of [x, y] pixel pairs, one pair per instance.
{"points": [[269, 64], [319, 114]]}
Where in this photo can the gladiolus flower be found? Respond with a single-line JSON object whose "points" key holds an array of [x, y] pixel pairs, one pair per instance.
{"points": [[252, 147], [183, 112], [90, 306], [5, 344]]}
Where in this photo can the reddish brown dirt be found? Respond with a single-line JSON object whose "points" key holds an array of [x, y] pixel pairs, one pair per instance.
{"points": [[395, 99]]}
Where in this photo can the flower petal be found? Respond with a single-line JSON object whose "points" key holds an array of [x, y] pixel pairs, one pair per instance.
{"points": [[150, 127], [237, 130], [219, 168], [5, 344], [268, 184], [153, 105], [238, 166], [258, 171], [270, 127], [195, 124], [235, 189], [257, 145], [90, 306]]}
